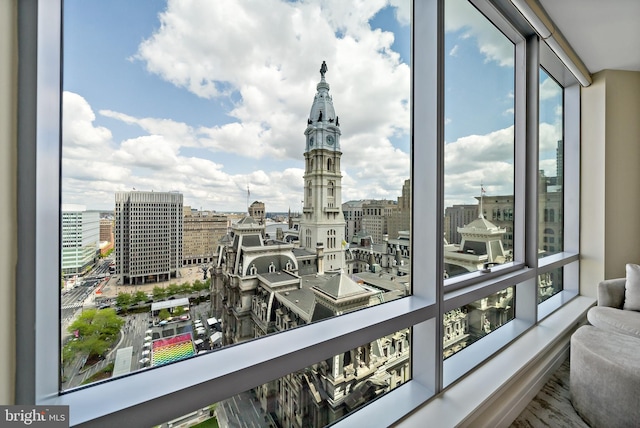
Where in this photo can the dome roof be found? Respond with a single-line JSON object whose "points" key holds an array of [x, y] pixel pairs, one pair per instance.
{"points": [[322, 102]]}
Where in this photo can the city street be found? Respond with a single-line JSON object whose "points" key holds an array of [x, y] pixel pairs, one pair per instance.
{"points": [[133, 334]]}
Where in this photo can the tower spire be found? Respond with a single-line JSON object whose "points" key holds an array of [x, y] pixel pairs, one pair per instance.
{"points": [[322, 221]]}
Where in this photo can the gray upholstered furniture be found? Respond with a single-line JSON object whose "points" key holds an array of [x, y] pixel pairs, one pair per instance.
{"points": [[605, 377], [605, 356], [609, 315]]}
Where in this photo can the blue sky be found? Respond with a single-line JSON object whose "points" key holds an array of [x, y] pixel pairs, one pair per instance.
{"points": [[211, 97]]}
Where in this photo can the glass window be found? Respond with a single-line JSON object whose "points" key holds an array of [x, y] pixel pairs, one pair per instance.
{"points": [[479, 141], [549, 284], [470, 323], [320, 394], [219, 138], [551, 165], [224, 159]]}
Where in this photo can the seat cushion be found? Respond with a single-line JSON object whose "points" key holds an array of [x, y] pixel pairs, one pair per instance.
{"points": [[616, 320], [605, 377], [632, 288]]}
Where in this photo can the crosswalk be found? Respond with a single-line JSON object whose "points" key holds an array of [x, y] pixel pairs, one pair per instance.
{"points": [[74, 305]]}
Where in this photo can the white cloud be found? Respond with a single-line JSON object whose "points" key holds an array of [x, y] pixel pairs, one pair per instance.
{"points": [[549, 89], [549, 135], [460, 15], [403, 11], [479, 159], [77, 125], [454, 51], [269, 54], [95, 167], [264, 57]]}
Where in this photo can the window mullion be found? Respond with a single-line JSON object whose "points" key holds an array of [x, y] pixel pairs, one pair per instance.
{"points": [[427, 188], [528, 159]]}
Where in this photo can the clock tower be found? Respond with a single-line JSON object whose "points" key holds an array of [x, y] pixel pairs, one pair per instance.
{"points": [[322, 220]]}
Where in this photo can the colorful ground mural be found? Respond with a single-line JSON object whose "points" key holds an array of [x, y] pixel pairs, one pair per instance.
{"points": [[172, 349]]}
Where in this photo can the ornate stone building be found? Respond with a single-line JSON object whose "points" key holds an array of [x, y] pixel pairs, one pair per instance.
{"points": [[261, 286]]}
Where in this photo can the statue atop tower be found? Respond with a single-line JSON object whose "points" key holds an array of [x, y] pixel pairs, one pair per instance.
{"points": [[323, 69]]}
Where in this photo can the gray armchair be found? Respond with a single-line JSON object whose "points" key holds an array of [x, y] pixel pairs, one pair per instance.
{"points": [[609, 315], [605, 368]]}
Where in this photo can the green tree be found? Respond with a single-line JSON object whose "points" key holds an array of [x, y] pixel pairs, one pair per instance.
{"points": [[164, 314], [172, 289], [177, 311], [124, 300], [140, 296], [185, 288], [158, 293], [96, 330], [198, 286]]}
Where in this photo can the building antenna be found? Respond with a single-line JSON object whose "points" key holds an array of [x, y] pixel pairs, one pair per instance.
{"points": [[482, 192], [248, 196]]}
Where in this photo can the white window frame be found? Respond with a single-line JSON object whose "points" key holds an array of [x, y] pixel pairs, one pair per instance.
{"points": [[154, 396]]}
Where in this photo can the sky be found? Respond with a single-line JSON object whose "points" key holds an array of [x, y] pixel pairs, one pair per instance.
{"points": [[211, 98]]}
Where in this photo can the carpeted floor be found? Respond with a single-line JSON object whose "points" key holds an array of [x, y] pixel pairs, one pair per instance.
{"points": [[551, 408]]}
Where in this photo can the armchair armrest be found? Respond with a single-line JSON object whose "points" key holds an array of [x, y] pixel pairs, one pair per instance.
{"points": [[611, 292]]}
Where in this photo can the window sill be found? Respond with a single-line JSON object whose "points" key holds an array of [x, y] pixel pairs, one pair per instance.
{"points": [[494, 390]]}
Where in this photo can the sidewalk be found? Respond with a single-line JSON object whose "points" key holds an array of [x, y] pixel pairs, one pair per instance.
{"points": [[187, 274]]}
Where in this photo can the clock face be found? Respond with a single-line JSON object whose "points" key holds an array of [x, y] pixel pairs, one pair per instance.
{"points": [[329, 139]]}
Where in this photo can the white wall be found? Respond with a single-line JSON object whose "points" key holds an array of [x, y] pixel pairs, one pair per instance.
{"points": [[610, 168], [8, 214]]}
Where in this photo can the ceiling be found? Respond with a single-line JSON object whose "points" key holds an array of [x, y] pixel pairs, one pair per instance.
{"points": [[604, 33]]}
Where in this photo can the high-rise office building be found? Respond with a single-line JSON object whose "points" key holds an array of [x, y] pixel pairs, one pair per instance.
{"points": [[201, 234], [148, 236], [80, 239]]}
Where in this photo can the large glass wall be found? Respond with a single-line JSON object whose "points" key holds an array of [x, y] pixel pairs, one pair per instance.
{"points": [[479, 138], [352, 171]]}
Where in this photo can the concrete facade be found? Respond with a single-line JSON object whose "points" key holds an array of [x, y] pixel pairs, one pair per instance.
{"points": [[148, 233], [80, 239]]}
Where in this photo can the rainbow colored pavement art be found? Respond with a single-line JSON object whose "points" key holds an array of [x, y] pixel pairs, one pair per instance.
{"points": [[172, 349]]}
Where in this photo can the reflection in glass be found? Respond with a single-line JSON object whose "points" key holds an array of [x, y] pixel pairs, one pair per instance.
{"points": [[550, 190], [469, 323], [549, 284], [211, 198], [320, 394], [479, 142]]}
